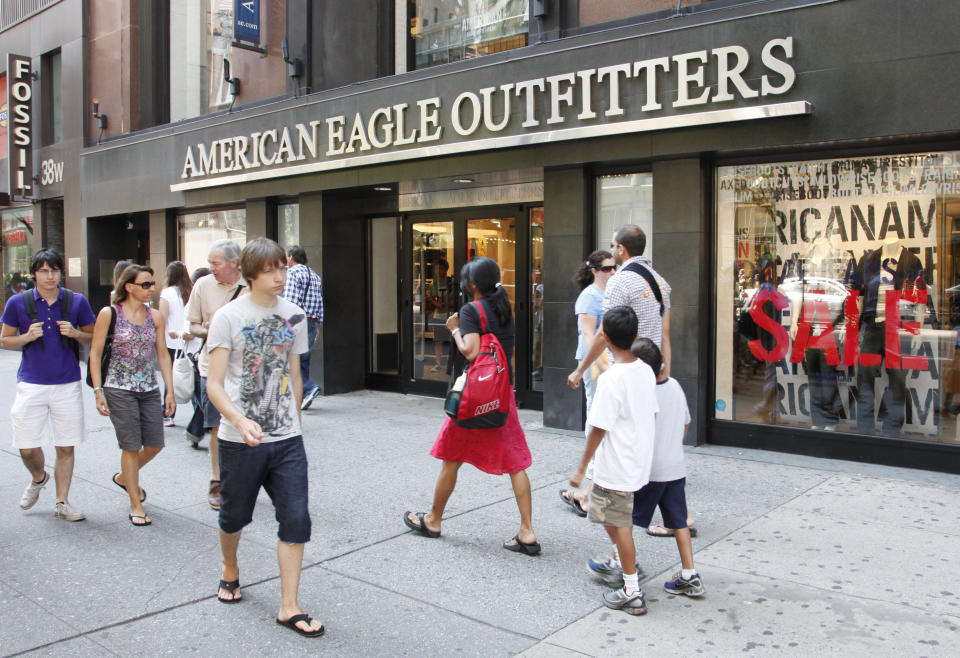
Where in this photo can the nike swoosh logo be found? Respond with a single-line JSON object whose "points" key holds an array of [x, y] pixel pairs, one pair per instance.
{"points": [[483, 379]]}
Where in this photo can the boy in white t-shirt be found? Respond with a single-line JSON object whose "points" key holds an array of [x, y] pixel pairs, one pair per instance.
{"points": [[621, 444], [667, 474]]}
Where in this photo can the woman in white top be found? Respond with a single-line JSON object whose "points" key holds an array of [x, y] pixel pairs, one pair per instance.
{"points": [[173, 298]]}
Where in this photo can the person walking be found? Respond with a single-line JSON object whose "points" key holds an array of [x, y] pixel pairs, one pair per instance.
{"points": [[668, 477], [621, 439], [591, 277], [210, 294], [194, 432], [305, 289], [638, 286], [47, 322], [173, 298], [254, 380], [128, 392], [497, 450]]}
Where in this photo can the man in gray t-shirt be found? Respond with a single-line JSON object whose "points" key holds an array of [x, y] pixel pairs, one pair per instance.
{"points": [[255, 344]]}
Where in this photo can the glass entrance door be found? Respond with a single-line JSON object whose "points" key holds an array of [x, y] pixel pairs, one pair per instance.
{"points": [[433, 298], [435, 248]]}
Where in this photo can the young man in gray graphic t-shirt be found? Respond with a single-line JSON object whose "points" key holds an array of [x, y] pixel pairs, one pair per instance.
{"points": [[254, 380]]}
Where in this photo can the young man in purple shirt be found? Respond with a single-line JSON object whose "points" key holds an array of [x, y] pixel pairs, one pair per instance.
{"points": [[48, 381]]}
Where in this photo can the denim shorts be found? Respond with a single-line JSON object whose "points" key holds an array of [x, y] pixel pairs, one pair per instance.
{"points": [[211, 415], [280, 467], [670, 497]]}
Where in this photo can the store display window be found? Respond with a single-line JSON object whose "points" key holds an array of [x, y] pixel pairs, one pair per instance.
{"points": [[17, 250], [198, 230], [838, 295], [452, 30]]}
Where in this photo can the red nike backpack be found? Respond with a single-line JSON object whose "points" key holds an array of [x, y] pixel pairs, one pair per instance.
{"points": [[480, 398]]}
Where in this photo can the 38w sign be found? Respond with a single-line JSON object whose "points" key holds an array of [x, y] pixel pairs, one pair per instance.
{"points": [[20, 131], [51, 172]]}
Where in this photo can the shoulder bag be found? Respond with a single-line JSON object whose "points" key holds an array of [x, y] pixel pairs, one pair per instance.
{"points": [[107, 350]]}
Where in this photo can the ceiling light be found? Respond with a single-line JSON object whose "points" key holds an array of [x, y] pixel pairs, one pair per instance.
{"points": [[383, 188], [462, 180]]}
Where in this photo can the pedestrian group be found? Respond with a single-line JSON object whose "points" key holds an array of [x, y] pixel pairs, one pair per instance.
{"points": [[248, 325]]}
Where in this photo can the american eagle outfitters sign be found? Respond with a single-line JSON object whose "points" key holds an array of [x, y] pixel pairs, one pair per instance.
{"points": [[573, 105]]}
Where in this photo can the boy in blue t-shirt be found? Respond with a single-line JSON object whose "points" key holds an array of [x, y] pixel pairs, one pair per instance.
{"points": [[667, 472]]}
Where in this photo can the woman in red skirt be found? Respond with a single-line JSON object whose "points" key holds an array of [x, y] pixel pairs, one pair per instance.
{"points": [[498, 450]]}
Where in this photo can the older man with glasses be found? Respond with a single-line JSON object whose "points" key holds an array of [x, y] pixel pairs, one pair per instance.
{"points": [[210, 293]]}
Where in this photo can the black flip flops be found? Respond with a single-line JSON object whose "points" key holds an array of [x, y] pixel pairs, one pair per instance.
{"points": [[519, 547], [566, 495], [143, 492], [230, 586], [422, 528], [292, 625]]}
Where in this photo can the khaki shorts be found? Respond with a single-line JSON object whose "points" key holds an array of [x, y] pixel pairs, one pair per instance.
{"points": [[611, 508]]}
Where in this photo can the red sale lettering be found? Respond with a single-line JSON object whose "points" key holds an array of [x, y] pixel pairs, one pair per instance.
{"points": [[772, 327], [826, 341], [892, 330], [913, 327], [851, 324]]}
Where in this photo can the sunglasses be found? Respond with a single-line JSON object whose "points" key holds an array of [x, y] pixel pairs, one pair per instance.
{"points": [[146, 285], [607, 268]]}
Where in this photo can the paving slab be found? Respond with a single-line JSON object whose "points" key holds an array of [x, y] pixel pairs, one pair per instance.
{"points": [[885, 501], [77, 647], [93, 577], [360, 620], [757, 615], [29, 621]]}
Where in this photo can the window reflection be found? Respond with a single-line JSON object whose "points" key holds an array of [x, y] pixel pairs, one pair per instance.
{"points": [[536, 298], [452, 30], [199, 230], [841, 280], [434, 298]]}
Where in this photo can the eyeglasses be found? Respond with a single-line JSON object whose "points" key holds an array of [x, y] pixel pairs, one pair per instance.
{"points": [[146, 285], [607, 268]]}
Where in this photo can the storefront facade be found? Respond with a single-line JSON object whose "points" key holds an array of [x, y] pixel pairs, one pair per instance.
{"points": [[796, 184]]}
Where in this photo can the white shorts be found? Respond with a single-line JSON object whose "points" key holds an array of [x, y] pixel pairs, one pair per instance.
{"points": [[38, 407]]}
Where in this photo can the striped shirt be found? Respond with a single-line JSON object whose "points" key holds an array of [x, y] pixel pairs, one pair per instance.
{"points": [[630, 289], [304, 289]]}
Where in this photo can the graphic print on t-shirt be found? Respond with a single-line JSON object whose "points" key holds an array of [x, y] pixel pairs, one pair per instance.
{"points": [[266, 375]]}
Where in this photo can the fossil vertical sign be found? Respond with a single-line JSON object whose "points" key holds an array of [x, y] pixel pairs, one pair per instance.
{"points": [[20, 126]]}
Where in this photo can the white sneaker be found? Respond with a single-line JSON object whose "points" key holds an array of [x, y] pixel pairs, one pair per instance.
{"points": [[68, 512], [32, 492]]}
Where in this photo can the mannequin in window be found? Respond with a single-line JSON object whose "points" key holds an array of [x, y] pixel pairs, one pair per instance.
{"points": [[820, 304], [892, 267]]}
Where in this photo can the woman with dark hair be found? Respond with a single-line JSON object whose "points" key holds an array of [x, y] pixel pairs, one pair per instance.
{"points": [[128, 391], [173, 298], [592, 277], [496, 451]]}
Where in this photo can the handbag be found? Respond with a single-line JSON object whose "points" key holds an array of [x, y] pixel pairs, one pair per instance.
{"points": [[182, 376], [480, 397], [107, 351]]}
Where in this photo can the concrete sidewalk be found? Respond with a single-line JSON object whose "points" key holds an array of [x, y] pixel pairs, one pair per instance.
{"points": [[799, 556]]}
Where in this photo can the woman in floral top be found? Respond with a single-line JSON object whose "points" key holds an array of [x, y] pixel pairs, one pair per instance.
{"points": [[128, 392]]}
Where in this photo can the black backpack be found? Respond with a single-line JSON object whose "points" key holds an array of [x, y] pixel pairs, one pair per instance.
{"points": [[66, 306]]}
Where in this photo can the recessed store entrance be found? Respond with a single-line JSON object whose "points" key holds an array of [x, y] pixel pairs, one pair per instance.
{"points": [[414, 286]]}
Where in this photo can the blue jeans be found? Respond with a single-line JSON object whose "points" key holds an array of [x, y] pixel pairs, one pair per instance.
{"points": [[280, 467], [313, 328]]}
